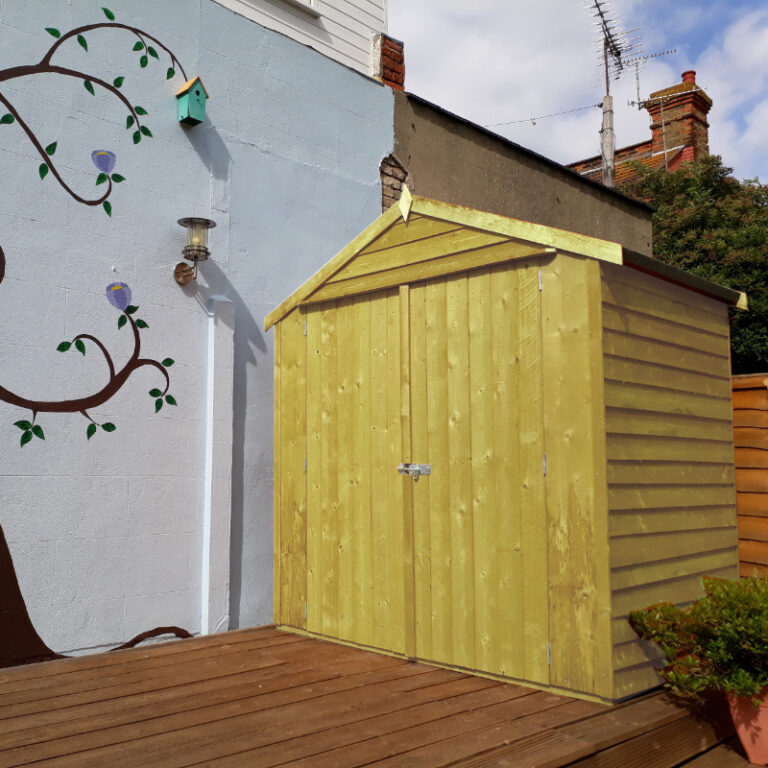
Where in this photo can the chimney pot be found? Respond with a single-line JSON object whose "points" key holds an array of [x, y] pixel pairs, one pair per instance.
{"points": [[689, 76]]}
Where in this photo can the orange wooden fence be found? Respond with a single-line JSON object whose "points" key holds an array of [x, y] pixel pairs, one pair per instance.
{"points": [[750, 428]]}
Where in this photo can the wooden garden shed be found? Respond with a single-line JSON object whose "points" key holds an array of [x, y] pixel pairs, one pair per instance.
{"points": [[492, 440]]}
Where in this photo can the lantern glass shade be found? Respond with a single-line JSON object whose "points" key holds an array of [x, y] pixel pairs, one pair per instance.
{"points": [[196, 248]]}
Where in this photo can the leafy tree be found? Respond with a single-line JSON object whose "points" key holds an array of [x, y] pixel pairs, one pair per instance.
{"points": [[716, 227]]}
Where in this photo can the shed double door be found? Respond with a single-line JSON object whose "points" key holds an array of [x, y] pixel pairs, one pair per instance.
{"points": [[452, 567]]}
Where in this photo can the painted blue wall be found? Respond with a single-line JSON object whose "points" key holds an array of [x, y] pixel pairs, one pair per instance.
{"points": [[107, 533]]}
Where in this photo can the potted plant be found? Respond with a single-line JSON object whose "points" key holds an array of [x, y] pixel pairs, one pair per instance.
{"points": [[719, 643]]}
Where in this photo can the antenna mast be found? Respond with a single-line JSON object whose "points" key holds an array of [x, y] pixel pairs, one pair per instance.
{"points": [[615, 46]]}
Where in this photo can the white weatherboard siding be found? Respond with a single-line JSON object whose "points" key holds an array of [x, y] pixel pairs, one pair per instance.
{"points": [[339, 29]]}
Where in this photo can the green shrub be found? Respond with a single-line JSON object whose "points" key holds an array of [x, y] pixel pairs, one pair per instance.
{"points": [[719, 643]]}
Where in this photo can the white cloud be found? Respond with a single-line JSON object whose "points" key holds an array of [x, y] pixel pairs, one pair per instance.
{"points": [[495, 61]]}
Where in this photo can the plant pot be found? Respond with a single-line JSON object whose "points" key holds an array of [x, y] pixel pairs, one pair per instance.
{"points": [[752, 725]]}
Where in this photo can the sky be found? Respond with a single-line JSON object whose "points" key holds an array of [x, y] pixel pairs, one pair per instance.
{"points": [[499, 61]]}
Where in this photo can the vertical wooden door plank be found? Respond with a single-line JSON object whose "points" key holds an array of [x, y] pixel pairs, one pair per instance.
{"points": [[459, 463], [329, 563], [420, 410], [439, 481], [293, 483], [485, 512], [531, 488], [405, 426], [315, 485], [507, 477]]}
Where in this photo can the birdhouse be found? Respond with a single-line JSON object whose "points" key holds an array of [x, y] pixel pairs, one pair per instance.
{"points": [[191, 101], [493, 439]]}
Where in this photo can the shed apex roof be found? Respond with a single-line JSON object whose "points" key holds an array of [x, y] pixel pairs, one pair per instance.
{"points": [[184, 88], [440, 239]]}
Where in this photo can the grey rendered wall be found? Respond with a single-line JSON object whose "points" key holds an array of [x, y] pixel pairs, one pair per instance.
{"points": [[131, 529], [452, 160]]}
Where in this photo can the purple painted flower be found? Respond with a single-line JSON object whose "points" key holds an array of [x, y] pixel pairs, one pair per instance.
{"points": [[119, 295], [104, 160]]}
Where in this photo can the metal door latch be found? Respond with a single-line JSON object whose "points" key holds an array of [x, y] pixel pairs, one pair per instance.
{"points": [[414, 470]]}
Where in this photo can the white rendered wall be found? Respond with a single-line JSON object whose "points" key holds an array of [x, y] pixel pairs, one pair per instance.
{"points": [[167, 520], [340, 29]]}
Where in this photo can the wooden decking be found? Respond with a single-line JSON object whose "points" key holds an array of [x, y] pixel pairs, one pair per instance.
{"points": [[262, 697]]}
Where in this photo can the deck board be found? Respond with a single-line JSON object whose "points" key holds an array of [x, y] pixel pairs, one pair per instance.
{"points": [[261, 697]]}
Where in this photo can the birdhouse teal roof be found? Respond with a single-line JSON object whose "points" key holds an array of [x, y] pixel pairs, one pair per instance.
{"points": [[188, 86]]}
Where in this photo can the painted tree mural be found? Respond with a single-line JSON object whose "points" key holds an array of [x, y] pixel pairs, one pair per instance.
{"points": [[118, 294], [19, 641]]}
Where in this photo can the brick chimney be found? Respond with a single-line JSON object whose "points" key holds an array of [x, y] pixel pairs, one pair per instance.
{"points": [[679, 118], [388, 61]]}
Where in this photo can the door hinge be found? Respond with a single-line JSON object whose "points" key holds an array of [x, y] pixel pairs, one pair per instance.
{"points": [[305, 463], [541, 285], [306, 610], [549, 654], [305, 323], [544, 463]]}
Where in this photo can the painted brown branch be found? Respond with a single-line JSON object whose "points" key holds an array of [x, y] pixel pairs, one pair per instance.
{"points": [[155, 364], [46, 158], [83, 404], [102, 348], [2, 264], [106, 25]]}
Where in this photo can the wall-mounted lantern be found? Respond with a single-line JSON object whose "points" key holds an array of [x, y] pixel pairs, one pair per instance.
{"points": [[196, 248], [191, 100]]}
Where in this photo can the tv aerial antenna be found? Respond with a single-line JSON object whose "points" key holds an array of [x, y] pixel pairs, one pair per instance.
{"points": [[637, 62], [615, 45]]}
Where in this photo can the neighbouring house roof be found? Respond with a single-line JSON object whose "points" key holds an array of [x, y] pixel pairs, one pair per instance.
{"points": [[420, 239]]}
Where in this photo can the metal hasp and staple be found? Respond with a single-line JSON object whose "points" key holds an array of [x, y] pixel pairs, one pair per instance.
{"points": [[414, 470]]}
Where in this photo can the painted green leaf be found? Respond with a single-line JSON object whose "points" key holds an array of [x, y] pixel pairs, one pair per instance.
{"points": [[51, 148], [146, 131], [107, 207], [52, 31], [7, 118], [108, 13], [108, 427], [80, 347], [91, 431], [168, 362], [118, 82], [143, 61], [43, 170], [171, 400], [138, 45], [140, 110], [88, 85], [64, 346], [121, 321], [136, 137], [155, 392], [101, 178], [37, 430], [22, 424], [81, 40], [152, 52], [129, 121], [131, 309], [141, 324], [170, 73], [117, 178], [158, 404], [25, 438]]}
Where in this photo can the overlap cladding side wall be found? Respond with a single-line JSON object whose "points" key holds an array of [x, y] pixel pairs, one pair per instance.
{"points": [[106, 533], [455, 161], [669, 442]]}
